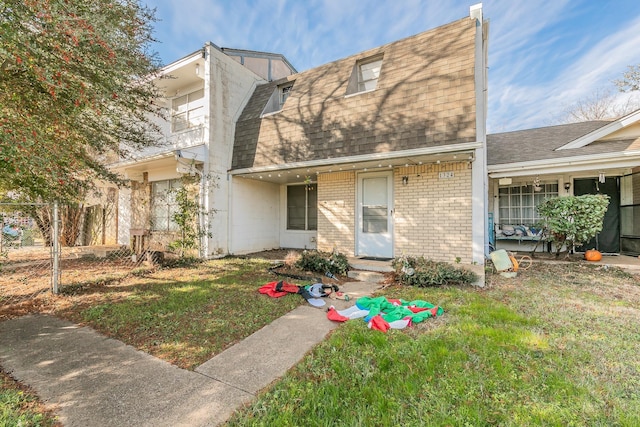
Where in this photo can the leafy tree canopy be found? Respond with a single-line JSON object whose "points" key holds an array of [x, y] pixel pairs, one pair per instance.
{"points": [[74, 90]]}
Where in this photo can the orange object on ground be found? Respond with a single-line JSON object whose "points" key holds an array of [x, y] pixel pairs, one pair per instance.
{"points": [[593, 255]]}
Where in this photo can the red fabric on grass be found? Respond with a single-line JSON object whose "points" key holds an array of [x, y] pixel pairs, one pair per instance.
{"points": [[270, 289]]}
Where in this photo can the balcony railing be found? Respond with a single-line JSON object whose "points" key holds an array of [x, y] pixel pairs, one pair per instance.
{"points": [[176, 140]]}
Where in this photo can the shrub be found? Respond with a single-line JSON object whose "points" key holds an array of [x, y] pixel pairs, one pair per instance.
{"points": [[291, 258], [420, 272], [323, 262], [573, 220]]}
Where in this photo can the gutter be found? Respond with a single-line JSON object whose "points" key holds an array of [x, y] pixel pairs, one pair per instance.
{"points": [[626, 159], [467, 146]]}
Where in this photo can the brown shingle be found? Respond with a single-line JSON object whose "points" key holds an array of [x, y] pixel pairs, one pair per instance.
{"points": [[541, 143], [425, 97]]}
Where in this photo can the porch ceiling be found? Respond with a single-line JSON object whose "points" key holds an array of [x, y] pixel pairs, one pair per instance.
{"points": [[175, 158], [183, 73], [285, 174]]}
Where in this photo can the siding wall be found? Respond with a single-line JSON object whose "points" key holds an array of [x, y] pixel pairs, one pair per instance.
{"points": [[635, 180], [254, 216]]}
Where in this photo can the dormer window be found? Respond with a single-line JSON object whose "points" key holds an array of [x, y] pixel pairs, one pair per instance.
{"points": [[278, 98], [284, 94], [365, 74]]}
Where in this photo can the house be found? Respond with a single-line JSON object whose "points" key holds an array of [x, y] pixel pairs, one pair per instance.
{"points": [[379, 154], [595, 157], [204, 93]]}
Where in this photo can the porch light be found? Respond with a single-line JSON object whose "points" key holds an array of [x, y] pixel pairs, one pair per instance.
{"points": [[567, 186], [601, 178], [405, 180], [536, 184]]}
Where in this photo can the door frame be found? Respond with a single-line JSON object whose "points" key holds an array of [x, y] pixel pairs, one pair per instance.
{"points": [[390, 213], [612, 214]]}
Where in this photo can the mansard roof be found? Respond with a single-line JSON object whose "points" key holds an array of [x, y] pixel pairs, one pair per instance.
{"points": [[425, 97]]}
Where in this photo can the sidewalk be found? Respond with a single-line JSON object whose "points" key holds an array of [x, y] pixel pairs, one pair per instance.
{"points": [[98, 381]]}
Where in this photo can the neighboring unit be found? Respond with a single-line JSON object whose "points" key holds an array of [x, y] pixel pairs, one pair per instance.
{"points": [[596, 157]]}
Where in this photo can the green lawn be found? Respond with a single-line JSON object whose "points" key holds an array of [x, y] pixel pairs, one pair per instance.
{"points": [[20, 407], [556, 346], [184, 315]]}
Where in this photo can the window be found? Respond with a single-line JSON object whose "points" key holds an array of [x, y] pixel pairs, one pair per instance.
{"points": [[518, 203], [284, 94], [163, 204], [364, 77], [302, 207], [187, 111], [278, 98]]}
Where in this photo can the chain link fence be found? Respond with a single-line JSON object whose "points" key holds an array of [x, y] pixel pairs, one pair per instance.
{"points": [[46, 249]]}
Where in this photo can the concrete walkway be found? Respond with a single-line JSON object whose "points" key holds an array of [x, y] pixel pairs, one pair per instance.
{"points": [[98, 381]]}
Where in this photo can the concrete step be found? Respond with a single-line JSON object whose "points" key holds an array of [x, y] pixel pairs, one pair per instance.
{"points": [[370, 265], [365, 276]]}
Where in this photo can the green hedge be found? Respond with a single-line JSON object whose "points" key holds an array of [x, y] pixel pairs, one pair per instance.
{"points": [[323, 262]]}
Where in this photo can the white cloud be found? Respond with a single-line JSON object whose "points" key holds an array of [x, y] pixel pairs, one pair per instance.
{"points": [[539, 59], [538, 104]]}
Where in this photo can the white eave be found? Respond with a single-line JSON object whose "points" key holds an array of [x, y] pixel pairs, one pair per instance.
{"points": [[195, 154], [602, 132], [624, 159], [386, 159]]}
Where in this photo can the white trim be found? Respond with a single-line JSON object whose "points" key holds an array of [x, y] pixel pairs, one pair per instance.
{"points": [[194, 57], [566, 168], [605, 130], [349, 95], [360, 176], [196, 153], [479, 176], [565, 163], [361, 158]]}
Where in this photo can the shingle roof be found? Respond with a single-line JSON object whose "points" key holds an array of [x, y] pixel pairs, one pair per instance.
{"points": [[425, 97], [540, 143]]}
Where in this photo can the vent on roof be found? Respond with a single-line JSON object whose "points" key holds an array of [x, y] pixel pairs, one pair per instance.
{"points": [[278, 98], [365, 74]]}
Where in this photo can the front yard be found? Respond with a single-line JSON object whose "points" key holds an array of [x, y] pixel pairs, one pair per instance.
{"points": [[557, 345]]}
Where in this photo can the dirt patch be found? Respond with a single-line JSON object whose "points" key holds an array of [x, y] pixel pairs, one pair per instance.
{"points": [[272, 254]]}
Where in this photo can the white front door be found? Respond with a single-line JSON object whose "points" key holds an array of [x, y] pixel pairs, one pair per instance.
{"points": [[375, 215]]}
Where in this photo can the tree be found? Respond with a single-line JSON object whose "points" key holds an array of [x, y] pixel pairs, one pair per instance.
{"points": [[75, 93], [573, 220], [603, 104], [630, 79]]}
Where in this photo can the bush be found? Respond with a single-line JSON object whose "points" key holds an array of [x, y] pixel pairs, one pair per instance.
{"points": [[573, 220], [323, 262], [420, 272]]}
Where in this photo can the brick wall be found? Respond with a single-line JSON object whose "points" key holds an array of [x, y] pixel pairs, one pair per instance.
{"points": [[336, 212], [433, 214]]}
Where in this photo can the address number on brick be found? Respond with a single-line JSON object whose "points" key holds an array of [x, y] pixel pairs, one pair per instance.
{"points": [[445, 175]]}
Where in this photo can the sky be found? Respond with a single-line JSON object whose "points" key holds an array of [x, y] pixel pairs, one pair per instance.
{"points": [[544, 56]]}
